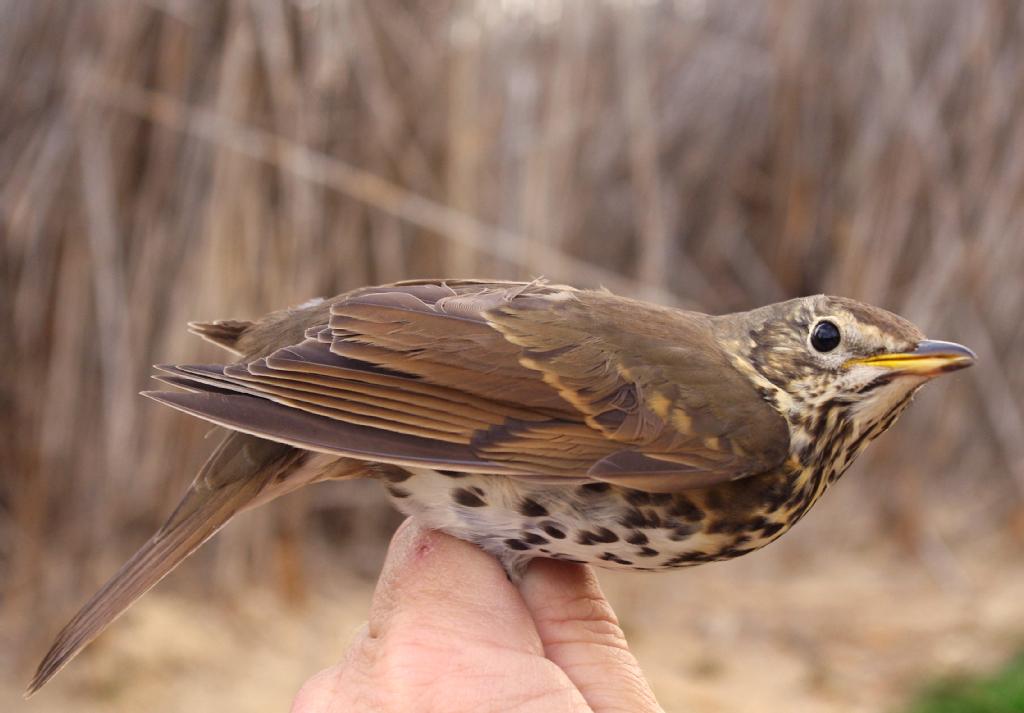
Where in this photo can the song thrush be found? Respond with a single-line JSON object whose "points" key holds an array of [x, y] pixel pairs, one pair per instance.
{"points": [[538, 420]]}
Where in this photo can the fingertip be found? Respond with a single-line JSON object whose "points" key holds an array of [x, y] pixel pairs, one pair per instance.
{"points": [[550, 586], [419, 557], [408, 539]]}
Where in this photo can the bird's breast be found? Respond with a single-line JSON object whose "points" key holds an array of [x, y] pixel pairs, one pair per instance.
{"points": [[600, 524]]}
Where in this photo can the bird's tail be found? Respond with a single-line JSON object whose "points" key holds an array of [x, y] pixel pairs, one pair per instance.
{"points": [[236, 473]]}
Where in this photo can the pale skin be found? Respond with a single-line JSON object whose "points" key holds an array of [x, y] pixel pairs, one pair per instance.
{"points": [[448, 632]]}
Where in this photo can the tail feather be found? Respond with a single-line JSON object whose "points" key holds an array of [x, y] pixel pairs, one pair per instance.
{"points": [[232, 478]]}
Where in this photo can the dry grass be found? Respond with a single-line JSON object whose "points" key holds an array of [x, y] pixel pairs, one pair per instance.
{"points": [[170, 160]]}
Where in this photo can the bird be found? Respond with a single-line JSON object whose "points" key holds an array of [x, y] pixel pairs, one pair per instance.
{"points": [[536, 420]]}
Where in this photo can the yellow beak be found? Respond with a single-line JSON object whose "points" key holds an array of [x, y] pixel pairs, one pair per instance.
{"points": [[929, 358]]}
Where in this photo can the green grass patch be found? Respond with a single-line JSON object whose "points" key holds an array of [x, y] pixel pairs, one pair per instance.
{"points": [[1001, 693]]}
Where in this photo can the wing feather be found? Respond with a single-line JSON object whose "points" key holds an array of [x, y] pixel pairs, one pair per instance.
{"points": [[299, 428], [527, 379]]}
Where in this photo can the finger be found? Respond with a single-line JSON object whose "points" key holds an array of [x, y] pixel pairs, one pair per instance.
{"points": [[448, 586], [581, 634], [333, 689]]}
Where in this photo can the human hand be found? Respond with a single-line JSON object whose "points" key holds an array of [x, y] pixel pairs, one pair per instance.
{"points": [[449, 633]]}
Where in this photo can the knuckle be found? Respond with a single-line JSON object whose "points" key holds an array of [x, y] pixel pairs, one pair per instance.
{"points": [[406, 668], [586, 617]]}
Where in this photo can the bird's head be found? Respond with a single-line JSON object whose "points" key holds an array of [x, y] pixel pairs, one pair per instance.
{"points": [[836, 365]]}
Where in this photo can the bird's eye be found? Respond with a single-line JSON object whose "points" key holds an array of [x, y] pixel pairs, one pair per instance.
{"points": [[825, 336]]}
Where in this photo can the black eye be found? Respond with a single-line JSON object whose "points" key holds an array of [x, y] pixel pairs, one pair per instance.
{"points": [[825, 336]]}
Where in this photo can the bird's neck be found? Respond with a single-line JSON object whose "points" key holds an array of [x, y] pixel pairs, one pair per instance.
{"points": [[823, 444], [827, 432]]}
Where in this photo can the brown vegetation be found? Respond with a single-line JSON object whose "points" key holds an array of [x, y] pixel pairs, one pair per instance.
{"points": [[168, 160]]}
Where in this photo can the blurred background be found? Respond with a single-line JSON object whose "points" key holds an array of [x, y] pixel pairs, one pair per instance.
{"points": [[170, 160]]}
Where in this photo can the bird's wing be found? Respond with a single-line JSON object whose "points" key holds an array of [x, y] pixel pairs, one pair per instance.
{"points": [[525, 379]]}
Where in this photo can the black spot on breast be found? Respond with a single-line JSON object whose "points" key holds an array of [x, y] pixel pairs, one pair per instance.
{"points": [[685, 508], [638, 497], [553, 530], [534, 539], [685, 558], [593, 488], [606, 535], [397, 492], [806, 454], [682, 532], [637, 538], [633, 518], [757, 523], [777, 494], [478, 490], [640, 519], [531, 508], [467, 498], [715, 499], [726, 526], [771, 528], [516, 544], [601, 534], [799, 495], [647, 552], [642, 497], [452, 474], [856, 445], [612, 557], [816, 478], [731, 552]]}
